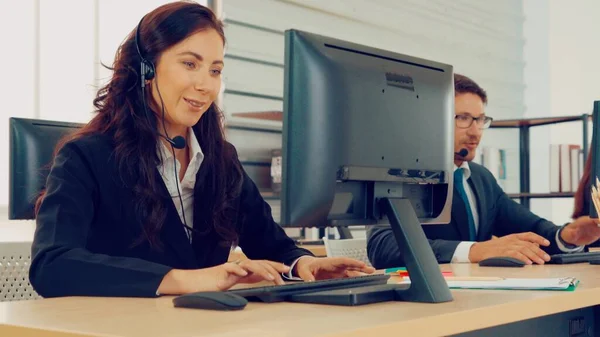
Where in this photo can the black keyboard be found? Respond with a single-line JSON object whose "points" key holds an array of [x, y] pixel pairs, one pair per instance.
{"points": [[574, 257], [278, 293]]}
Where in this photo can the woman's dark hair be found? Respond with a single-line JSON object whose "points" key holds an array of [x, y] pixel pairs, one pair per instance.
{"points": [[582, 196], [120, 114]]}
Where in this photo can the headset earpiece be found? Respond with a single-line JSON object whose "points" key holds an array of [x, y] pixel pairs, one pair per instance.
{"points": [[147, 70]]}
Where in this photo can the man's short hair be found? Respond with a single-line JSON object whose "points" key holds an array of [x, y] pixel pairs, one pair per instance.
{"points": [[464, 85]]}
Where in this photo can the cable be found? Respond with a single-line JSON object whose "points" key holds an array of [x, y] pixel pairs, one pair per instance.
{"points": [[162, 104]]}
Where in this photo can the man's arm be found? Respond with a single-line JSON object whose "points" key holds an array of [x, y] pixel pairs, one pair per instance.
{"points": [[512, 217], [383, 250]]}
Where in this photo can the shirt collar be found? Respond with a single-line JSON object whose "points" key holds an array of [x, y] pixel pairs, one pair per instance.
{"points": [[196, 154], [466, 169]]}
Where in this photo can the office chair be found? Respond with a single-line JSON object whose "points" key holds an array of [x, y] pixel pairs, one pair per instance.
{"points": [[352, 248], [15, 258]]}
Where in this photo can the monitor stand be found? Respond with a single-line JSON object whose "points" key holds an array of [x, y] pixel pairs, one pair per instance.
{"points": [[344, 232], [426, 281]]}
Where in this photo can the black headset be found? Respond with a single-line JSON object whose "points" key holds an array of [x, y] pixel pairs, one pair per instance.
{"points": [[148, 72]]}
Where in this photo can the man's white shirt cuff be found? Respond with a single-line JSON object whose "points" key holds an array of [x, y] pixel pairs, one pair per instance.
{"points": [[461, 254], [564, 249]]}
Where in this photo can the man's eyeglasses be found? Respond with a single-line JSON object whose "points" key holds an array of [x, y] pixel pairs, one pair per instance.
{"points": [[465, 121]]}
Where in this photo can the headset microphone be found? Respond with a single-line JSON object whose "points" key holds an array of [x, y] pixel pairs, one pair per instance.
{"points": [[462, 152], [178, 142]]}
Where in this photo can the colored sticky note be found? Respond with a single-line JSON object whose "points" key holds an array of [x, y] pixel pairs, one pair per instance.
{"points": [[401, 271], [394, 270]]}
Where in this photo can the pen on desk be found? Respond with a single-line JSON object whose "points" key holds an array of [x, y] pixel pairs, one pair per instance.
{"points": [[472, 278]]}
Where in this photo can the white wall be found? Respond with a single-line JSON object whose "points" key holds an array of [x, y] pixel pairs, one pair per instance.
{"points": [[574, 31], [574, 72], [66, 56], [537, 96], [16, 90], [562, 77], [481, 39]]}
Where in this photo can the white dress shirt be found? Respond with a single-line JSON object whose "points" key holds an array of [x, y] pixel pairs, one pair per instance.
{"points": [[186, 186], [461, 254]]}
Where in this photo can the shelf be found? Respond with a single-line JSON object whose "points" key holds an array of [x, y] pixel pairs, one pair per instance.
{"points": [[264, 115], [513, 123], [522, 125], [270, 195], [273, 196], [505, 123], [541, 195]]}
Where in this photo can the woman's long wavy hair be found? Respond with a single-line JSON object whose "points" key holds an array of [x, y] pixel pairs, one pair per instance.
{"points": [[120, 113], [582, 195]]}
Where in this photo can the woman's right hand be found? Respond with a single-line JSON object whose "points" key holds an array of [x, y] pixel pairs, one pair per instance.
{"points": [[249, 271], [221, 277]]}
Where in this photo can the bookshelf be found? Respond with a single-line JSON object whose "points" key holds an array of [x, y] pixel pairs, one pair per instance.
{"points": [[524, 126]]}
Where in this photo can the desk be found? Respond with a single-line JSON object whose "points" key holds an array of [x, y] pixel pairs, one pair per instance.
{"points": [[17, 230], [471, 310]]}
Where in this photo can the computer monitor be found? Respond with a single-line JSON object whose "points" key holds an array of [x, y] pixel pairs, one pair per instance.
{"points": [[368, 138], [32, 144]]}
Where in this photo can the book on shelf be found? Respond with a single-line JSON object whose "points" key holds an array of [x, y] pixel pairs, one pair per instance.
{"points": [[498, 161], [566, 167]]}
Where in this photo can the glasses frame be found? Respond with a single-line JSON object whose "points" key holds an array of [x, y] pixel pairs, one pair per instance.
{"points": [[486, 121]]}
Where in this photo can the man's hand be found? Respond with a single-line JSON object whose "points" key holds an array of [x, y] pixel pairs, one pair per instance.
{"points": [[522, 246], [583, 231], [319, 268]]}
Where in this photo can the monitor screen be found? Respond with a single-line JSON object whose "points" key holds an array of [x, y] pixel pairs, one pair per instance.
{"points": [[32, 144], [360, 124]]}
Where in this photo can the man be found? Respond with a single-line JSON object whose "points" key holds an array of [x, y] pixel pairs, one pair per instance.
{"points": [[481, 209]]}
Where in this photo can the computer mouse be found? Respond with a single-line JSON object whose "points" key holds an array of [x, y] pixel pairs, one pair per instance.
{"points": [[501, 261], [211, 300]]}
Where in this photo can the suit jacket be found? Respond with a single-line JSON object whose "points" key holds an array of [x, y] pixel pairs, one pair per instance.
{"points": [[86, 226], [498, 215]]}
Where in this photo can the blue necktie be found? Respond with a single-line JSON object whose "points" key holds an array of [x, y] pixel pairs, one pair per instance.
{"points": [[460, 187]]}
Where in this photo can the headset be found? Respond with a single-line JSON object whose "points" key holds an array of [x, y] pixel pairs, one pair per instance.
{"points": [[146, 67], [147, 73]]}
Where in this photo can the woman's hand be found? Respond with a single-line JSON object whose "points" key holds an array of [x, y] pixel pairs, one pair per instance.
{"points": [[221, 277], [314, 268], [250, 271]]}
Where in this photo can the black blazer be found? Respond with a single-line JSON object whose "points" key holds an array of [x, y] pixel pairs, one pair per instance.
{"points": [[86, 226], [498, 215]]}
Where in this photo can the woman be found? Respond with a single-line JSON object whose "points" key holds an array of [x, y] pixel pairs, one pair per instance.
{"points": [[121, 217]]}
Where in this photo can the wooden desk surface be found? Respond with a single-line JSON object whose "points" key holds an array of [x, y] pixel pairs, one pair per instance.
{"points": [[470, 310]]}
